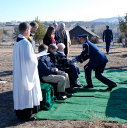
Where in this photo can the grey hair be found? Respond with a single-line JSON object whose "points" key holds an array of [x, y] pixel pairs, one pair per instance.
{"points": [[61, 45], [62, 24]]}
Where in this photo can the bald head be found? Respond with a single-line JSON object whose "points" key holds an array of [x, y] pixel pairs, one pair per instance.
{"points": [[61, 47]]}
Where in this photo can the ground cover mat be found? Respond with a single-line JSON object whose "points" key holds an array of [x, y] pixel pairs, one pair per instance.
{"points": [[93, 104]]}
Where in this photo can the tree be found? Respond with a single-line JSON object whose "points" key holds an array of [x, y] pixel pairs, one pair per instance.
{"points": [[39, 35], [1, 35], [16, 32], [123, 24]]}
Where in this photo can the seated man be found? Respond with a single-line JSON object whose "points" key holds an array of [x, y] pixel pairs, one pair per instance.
{"points": [[62, 63], [49, 73]]}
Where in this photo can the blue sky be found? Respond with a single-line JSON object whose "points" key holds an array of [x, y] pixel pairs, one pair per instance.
{"points": [[60, 10]]}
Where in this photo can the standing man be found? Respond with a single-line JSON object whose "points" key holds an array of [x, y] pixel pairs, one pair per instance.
{"points": [[107, 37], [34, 27], [62, 36], [55, 25], [97, 62]]}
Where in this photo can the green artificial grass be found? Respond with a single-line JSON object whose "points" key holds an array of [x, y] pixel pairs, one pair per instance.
{"points": [[93, 104]]}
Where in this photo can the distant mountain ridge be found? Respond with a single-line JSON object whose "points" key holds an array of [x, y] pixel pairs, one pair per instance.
{"points": [[112, 19]]}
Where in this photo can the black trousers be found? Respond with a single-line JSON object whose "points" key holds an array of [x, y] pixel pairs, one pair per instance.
{"points": [[108, 46], [26, 114], [98, 74], [73, 72]]}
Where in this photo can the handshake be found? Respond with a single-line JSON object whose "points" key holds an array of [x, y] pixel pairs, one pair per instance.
{"points": [[73, 60]]}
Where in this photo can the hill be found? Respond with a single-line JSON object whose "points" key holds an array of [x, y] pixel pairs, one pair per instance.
{"points": [[112, 20]]}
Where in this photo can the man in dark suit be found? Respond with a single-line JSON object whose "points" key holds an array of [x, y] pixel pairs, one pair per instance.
{"points": [[97, 62], [107, 37]]}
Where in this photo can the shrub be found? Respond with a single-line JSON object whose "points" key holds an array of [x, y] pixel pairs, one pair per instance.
{"points": [[94, 40]]}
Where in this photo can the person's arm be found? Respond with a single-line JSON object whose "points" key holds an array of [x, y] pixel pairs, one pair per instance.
{"points": [[44, 69], [111, 35], [84, 54], [103, 36], [82, 57], [68, 37]]}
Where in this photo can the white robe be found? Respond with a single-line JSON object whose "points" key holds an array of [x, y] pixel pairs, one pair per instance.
{"points": [[26, 83]]}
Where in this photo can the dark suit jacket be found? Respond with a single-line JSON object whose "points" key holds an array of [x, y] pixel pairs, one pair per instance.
{"points": [[107, 35], [45, 66], [96, 57]]}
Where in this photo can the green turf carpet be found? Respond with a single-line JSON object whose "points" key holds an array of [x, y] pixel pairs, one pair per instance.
{"points": [[93, 104]]}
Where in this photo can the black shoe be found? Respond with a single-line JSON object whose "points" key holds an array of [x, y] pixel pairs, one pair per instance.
{"points": [[77, 85], [68, 94], [89, 86], [61, 97], [111, 87], [70, 90]]}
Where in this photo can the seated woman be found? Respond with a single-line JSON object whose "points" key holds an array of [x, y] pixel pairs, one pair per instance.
{"points": [[62, 63]]}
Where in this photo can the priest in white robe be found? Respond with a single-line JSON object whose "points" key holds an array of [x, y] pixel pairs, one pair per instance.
{"points": [[26, 84]]}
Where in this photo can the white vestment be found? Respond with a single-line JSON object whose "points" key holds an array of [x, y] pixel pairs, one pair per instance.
{"points": [[26, 83]]}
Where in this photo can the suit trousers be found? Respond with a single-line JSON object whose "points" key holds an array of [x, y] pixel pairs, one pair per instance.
{"points": [[62, 81], [98, 74], [108, 46]]}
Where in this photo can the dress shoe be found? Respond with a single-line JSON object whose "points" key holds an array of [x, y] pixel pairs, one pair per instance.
{"points": [[89, 86], [111, 87], [61, 97], [68, 94], [70, 90]]}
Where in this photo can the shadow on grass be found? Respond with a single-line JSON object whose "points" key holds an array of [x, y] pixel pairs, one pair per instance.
{"points": [[117, 69], [117, 104], [89, 90]]}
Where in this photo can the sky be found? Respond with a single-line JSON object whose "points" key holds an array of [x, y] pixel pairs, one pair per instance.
{"points": [[60, 10]]}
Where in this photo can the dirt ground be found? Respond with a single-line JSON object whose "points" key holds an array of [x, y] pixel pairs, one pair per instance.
{"points": [[117, 60]]}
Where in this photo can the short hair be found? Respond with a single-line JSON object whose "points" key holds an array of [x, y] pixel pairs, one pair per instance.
{"points": [[53, 46], [107, 26], [61, 45], [62, 25], [23, 26], [55, 24], [33, 24], [42, 47]]}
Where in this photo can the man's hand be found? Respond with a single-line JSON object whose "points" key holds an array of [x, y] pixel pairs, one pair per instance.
{"points": [[73, 60], [60, 72], [56, 69]]}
